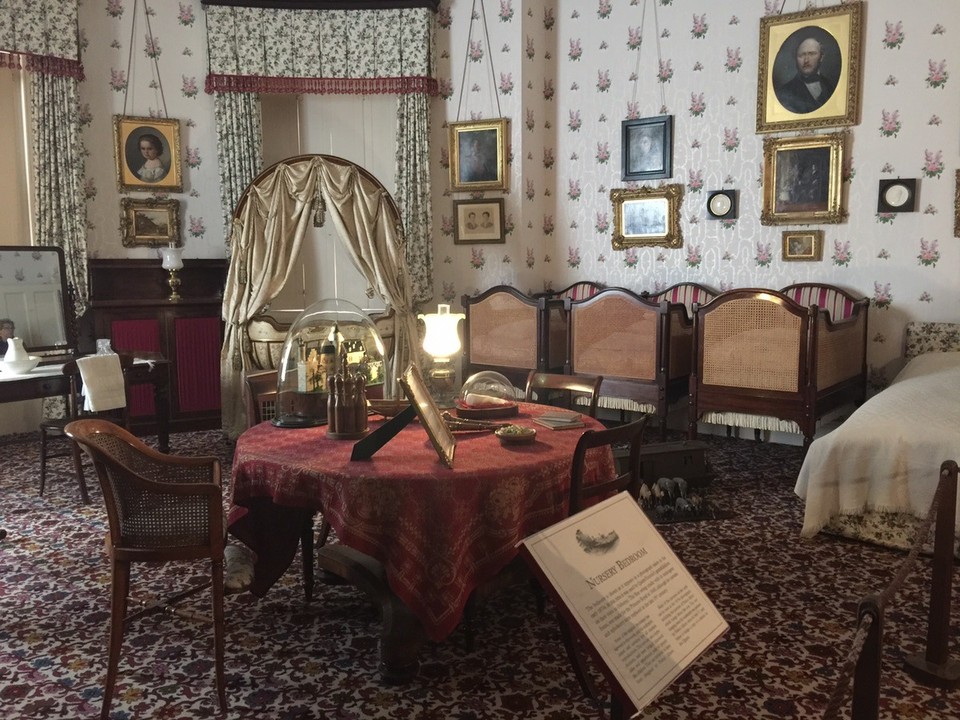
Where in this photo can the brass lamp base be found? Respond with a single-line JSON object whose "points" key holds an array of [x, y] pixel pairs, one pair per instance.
{"points": [[174, 282]]}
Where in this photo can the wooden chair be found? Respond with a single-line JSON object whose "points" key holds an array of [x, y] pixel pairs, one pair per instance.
{"points": [[160, 508], [540, 384], [628, 478], [261, 396], [53, 428]]}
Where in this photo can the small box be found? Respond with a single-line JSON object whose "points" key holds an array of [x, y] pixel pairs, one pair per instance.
{"points": [[686, 459]]}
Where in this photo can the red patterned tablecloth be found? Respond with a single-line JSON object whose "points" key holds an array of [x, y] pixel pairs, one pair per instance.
{"points": [[438, 532]]}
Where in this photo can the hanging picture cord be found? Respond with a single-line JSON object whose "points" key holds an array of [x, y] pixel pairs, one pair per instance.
{"points": [[636, 73], [156, 64], [466, 58]]}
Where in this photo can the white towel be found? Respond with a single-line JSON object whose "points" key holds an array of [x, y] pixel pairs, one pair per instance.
{"points": [[102, 383]]}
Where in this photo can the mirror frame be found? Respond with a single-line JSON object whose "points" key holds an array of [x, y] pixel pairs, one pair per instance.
{"points": [[68, 346]]}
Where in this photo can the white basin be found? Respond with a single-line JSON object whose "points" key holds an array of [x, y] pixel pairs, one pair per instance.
{"points": [[19, 367]]}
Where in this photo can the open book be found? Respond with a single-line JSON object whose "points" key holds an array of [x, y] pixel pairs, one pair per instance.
{"points": [[559, 419], [624, 592]]}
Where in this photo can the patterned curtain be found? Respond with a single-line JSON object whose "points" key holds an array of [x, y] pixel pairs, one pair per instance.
{"points": [[61, 214], [413, 191], [338, 51], [239, 149], [40, 36]]}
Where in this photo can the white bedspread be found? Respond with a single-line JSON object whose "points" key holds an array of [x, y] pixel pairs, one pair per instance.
{"points": [[886, 456]]}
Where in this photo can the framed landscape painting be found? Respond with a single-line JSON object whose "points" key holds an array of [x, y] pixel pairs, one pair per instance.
{"points": [[809, 69], [150, 223], [803, 245]]}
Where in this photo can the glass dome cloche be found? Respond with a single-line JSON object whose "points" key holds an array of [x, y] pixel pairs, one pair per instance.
{"points": [[331, 341], [487, 394]]}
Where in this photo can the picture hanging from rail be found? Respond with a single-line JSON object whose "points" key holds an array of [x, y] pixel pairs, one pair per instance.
{"points": [[147, 152], [478, 154]]}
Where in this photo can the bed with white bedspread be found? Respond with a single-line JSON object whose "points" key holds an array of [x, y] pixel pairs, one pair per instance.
{"points": [[874, 477]]}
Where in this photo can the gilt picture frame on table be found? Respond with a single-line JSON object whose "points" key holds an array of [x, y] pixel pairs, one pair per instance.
{"points": [[647, 148], [478, 154], [809, 69], [147, 153], [647, 216], [150, 223], [803, 179]]}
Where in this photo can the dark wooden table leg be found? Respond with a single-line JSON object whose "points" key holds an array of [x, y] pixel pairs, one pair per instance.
{"points": [[401, 635]]}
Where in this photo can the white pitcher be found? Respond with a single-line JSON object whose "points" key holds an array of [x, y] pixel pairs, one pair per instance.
{"points": [[15, 351]]}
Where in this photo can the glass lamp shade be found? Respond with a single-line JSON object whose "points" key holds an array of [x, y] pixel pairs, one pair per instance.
{"points": [[172, 258], [441, 339], [320, 340]]}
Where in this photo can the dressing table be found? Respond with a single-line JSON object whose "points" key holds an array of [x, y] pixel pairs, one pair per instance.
{"points": [[33, 293]]}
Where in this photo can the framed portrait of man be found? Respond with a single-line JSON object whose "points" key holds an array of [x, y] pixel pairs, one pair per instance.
{"points": [[647, 148], [478, 155], [809, 69], [147, 152]]}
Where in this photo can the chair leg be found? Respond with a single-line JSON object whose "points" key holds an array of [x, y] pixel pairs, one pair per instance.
{"points": [[578, 661], [120, 587], [43, 461], [78, 466], [218, 629], [306, 557]]}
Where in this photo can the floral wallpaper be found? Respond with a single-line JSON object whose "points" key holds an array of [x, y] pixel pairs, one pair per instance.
{"points": [[568, 72]]}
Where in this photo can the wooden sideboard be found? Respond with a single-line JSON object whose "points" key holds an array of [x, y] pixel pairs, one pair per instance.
{"points": [[129, 305]]}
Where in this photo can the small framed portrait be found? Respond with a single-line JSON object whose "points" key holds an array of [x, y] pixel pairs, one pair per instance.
{"points": [[150, 223], [802, 179], [809, 69], [147, 152], [478, 221], [478, 155], [647, 148], [647, 216], [803, 245], [442, 438]]}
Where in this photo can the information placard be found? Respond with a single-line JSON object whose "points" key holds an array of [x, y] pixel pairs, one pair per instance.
{"points": [[626, 594]]}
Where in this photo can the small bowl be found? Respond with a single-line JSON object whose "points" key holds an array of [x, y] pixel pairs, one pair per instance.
{"points": [[516, 435], [19, 367]]}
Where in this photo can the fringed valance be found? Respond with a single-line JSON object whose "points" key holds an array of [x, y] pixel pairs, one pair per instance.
{"points": [[59, 67], [321, 86], [45, 32], [256, 49]]}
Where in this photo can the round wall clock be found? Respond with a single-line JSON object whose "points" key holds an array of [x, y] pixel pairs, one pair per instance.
{"points": [[722, 204], [897, 196]]}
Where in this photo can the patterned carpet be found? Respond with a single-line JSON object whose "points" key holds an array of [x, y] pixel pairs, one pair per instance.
{"points": [[791, 605]]}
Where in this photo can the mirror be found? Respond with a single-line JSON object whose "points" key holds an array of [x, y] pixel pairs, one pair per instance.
{"points": [[33, 293]]}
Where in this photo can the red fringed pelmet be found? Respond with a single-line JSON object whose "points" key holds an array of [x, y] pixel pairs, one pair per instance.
{"points": [[321, 86], [45, 64]]}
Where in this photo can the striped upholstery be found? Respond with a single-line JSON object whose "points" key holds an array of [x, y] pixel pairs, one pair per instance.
{"points": [[837, 303], [686, 294], [579, 291]]}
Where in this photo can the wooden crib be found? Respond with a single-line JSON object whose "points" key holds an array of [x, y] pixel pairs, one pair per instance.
{"points": [[765, 361], [636, 344]]}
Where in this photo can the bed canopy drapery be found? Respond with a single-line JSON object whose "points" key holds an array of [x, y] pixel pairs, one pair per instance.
{"points": [[269, 225]]}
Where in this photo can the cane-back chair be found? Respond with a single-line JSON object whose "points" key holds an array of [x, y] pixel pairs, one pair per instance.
{"points": [[160, 508]]}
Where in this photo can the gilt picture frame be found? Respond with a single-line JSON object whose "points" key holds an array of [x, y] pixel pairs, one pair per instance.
{"points": [[150, 223], [478, 155], [809, 69], [803, 245], [803, 179], [147, 153], [478, 221], [428, 411], [647, 216]]}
